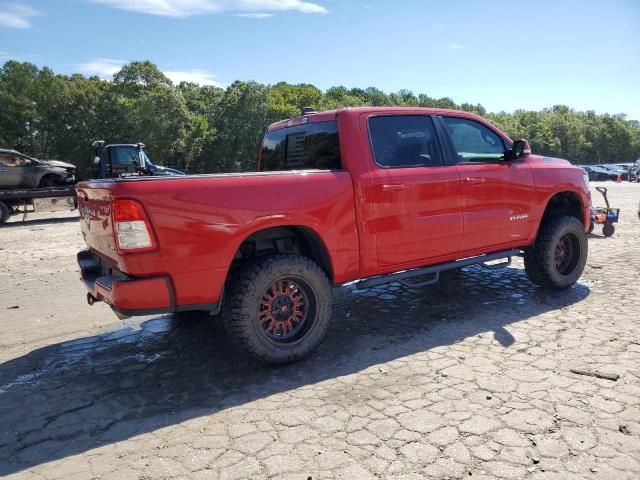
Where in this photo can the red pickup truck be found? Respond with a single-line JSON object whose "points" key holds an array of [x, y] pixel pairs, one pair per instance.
{"points": [[375, 194]]}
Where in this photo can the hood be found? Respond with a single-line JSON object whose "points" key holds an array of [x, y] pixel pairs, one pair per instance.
{"points": [[58, 163], [557, 160]]}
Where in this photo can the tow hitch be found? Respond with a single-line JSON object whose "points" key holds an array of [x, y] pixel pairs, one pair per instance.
{"points": [[91, 299]]}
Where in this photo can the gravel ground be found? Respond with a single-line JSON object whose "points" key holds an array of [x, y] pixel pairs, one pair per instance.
{"points": [[468, 378]]}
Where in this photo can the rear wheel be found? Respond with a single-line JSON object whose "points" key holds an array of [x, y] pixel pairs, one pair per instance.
{"points": [[279, 308], [5, 213], [558, 256]]}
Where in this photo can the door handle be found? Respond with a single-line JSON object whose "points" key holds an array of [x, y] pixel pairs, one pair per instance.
{"points": [[474, 180], [393, 187]]}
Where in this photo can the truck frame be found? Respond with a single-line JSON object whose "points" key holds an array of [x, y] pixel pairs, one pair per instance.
{"points": [[28, 200]]}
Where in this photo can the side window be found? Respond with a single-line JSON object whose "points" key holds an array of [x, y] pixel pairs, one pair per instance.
{"points": [[309, 146], [274, 147], [404, 141], [11, 160], [473, 141]]}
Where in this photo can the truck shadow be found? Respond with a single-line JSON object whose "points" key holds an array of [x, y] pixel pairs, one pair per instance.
{"points": [[68, 398]]}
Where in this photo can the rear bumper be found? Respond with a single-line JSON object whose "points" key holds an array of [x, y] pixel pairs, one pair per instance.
{"points": [[131, 296]]}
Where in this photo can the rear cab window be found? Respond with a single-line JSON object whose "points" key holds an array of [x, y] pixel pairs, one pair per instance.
{"points": [[309, 146]]}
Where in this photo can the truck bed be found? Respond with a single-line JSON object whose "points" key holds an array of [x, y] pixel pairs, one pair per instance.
{"points": [[200, 221]]}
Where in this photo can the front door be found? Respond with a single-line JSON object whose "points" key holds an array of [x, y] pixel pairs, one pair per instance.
{"points": [[497, 195], [414, 198]]}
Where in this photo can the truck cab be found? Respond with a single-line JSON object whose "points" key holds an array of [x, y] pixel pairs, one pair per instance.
{"points": [[126, 160]]}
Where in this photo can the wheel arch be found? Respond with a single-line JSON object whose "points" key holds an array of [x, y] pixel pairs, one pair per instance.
{"points": [[298, 239], [562, 203], [44, 175]]}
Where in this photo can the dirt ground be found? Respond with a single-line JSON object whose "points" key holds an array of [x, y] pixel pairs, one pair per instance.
{"points": [[468, 378]]}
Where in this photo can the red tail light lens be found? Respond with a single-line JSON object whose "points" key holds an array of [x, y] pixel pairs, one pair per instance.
{"points": [[132, 229]]}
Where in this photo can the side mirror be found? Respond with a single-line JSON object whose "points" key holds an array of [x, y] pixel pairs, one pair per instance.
{"points": [[520, 148]]}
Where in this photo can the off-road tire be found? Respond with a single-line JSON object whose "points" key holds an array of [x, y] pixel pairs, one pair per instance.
{"points": [[242, 307], [540, 258], [5, 213]]}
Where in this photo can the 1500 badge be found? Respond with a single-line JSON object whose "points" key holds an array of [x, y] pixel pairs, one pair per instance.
{"points": [[519, 217]]}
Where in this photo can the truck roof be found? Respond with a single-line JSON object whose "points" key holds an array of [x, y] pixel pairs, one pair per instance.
{"points": [[332, 114]]}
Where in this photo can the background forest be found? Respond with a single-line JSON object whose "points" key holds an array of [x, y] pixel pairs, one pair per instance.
{"points": [[210, 129]]}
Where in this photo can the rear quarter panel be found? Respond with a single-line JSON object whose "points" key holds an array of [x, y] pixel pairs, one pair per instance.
{"points": [[201, 221]]}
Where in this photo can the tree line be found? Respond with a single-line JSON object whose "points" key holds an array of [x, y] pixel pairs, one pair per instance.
{"points": [[199, 128]]}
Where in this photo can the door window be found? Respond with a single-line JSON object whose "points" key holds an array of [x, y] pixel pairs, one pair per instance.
{"points": [[404, 141], [11, 160], [473, 141]]}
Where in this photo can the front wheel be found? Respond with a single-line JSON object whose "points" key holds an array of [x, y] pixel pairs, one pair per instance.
{"points": [[279, 308], [558, 256]]}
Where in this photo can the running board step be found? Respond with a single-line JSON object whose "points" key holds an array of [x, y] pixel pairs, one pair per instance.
{"points": [[434, 270]]}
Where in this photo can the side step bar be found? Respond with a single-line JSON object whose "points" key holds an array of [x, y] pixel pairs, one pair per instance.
{"points": [[434, 270]]}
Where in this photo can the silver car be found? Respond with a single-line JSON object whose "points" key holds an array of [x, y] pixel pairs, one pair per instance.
{"points": [[20, 171]]}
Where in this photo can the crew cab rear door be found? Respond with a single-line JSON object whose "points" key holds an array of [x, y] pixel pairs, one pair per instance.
{"points": [[497, 195], [413, 198]]}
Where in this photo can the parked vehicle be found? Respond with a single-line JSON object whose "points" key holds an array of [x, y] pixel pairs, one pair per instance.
{"points": [[18, 170], [126, 160], [634, 172], [595, 174], [617, 171], [372, 193]]}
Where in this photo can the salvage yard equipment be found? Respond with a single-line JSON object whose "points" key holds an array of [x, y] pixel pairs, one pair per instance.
{"points": [[605, 216]]}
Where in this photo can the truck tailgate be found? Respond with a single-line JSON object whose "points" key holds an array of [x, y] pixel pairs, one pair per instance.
{"points": [[94, 205]]}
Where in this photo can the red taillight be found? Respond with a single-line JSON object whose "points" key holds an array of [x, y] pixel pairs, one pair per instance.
{"points": [[127, 211], [132, 229]]}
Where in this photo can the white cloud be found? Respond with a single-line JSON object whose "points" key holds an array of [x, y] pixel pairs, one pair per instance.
{"points": [[186, 8], [254, 15], [201, 77], [107, 67], [102, 67], [455, 46], [16, 16]]}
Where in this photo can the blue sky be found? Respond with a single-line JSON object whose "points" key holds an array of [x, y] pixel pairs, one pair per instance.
{"points": [[503, 54]]}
